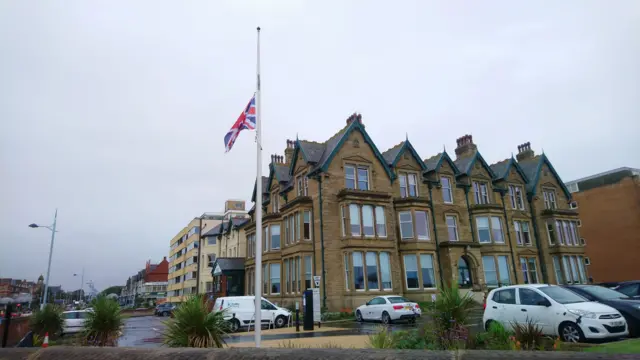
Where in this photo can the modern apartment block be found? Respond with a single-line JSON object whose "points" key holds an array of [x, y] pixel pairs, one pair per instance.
{"points": [[609, 205], [184, 253], [372, 223]]}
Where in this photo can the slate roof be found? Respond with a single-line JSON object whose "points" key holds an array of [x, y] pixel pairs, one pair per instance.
{"points": [[312, 150], [329, 146], [500, 168], [464, 163], [239, 221], [229, 264], [391, 154], [532, 167], [214, 231], [265, 181], [433, 161]]}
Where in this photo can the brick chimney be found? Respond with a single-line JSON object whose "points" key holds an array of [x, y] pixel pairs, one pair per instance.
{"points": [[465, 147], [525, 152], [355, 117], [277, 159], [288, 152]]}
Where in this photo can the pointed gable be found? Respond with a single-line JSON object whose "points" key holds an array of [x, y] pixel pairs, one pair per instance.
{"points": [[465, 165], [278, 171], [393, 155], [435, 162], [311, 153], [533, 167], [334, 144], [501, 169], [265, 181]]}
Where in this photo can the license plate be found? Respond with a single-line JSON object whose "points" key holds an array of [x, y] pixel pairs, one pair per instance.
{"points": [[617, 323], [407, 307]]}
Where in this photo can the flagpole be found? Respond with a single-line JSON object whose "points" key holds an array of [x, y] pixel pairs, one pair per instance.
{"points": [[258, 278]]}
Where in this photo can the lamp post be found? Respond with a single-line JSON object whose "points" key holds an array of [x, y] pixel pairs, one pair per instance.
{"points": [[81, 292], [53, 237]]}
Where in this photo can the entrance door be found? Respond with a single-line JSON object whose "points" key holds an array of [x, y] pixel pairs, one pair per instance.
{"points": [[464, 274]]}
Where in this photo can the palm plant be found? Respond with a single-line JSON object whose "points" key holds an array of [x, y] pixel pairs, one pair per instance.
{"points": [[48, 320], [194, 325], [451, 308], [103, 325]]}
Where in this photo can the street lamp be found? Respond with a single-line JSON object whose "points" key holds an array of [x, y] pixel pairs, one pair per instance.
{"points": [[53, 236]]}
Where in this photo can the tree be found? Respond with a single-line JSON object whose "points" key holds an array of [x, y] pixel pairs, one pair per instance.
{"points": [[112, 290]]}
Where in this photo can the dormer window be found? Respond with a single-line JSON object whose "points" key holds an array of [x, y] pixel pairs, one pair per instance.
{"points": [[356, 176], [303, 185], [549, 199], [481, 192], [408, 185]]}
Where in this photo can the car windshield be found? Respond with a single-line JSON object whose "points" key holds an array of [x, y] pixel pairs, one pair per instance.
{"points": [[562, 295], [397, 299], [603, 293]]}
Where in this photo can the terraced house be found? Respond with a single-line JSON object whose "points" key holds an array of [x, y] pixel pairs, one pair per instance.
{"points": [[372, 223]]}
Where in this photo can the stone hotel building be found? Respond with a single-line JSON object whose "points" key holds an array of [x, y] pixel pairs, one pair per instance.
{"points": [[373, 223]]}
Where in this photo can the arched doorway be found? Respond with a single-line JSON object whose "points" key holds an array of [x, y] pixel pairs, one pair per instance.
{"points": [[465, 280]]}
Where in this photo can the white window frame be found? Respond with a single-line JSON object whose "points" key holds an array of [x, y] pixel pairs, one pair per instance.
{"points": [[373, 220], [271, 278], [355, 176], [449, 227], [388, 254], [366, 270], [400, 222], [428, 228], [413, 176], [448, 189], [383, 223], [481, 192], [493, 237], [344, 221], [368, 182], [404, 188], [271, 227], [351, 219], [346, 271], [404, 266], [433, 271], [488, 228], [310, 222]]}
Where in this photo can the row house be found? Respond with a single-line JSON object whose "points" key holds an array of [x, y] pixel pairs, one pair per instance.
{"points": [[372, 223]]}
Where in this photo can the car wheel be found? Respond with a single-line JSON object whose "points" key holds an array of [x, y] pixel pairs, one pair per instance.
{"points": [[487, 325], [571, 332], [234, 325], [281, 321], [386, 319], [165, 313], [358, 316]]}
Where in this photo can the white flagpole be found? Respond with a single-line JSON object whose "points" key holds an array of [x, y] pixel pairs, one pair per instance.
{"points": [[258, 278]]}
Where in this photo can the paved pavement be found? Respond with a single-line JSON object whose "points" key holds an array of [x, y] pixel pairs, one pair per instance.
{"points": [[147, 331]]}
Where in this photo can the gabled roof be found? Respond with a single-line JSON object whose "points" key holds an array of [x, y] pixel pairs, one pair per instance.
{"points": [[228, 264], [501, 169], [311, 153], [333, 145], [233, 223], [433, 163], [392, 156], [533, 167], [280, 172], [265, 181], [465, 164], [214, 231]]}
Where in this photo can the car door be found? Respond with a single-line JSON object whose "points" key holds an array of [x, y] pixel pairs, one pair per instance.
{"points": [[503, 306], [268, 311], [533, 307], [377, 307]]}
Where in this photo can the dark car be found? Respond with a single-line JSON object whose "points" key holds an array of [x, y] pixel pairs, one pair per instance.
{"points": [[165, 309], [629, 288], [627, 306]]}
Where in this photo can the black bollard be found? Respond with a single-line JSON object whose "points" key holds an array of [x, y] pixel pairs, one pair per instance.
{"points": [[5, 323], [297, 317]]}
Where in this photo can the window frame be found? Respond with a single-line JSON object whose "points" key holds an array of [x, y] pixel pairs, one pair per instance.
{"points": [[449, 227], [271, 278], [426, 237], [400, 222], [271, 227], [362, 266], [481, 192], [356, 176], [405, 271], [307, 224], [449, 189]]}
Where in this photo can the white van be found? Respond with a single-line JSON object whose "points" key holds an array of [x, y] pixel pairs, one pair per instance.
{"points": [[240, 312]]}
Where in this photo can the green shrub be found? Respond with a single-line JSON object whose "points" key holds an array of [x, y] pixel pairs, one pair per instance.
{"points": [[381, 339], [48, 320], [528, 336], [103, 325], [194, 326], [496, 338]]}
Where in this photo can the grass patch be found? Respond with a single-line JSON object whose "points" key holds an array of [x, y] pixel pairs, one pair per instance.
{"points": [[619, 347]]}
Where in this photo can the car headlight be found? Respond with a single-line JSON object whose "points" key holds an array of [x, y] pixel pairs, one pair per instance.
{"points": [[583, 313]]}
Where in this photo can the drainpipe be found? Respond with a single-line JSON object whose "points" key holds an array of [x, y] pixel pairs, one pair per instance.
{"points": [[466, 196], [324, 274], [199, 252], [506, 220], [435, 232], [545, 277]]}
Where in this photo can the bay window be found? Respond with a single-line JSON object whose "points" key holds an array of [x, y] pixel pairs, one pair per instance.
{"points": [[265, 279], [354, 216], [426, 267], [372, 271], [344, 221], [385, 271], [358, 270], [557, 270], [496, 270], [381, 224], [275, 237], [306, 231], [529, 270], [489, 229], [411, 272], [286, 276], [275, 278], [422, 225], [406, 225], [367, 221], [346, 271], [503, 270]]}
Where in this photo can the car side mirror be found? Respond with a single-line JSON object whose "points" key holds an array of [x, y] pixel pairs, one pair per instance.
{"points": [[366, 304]]}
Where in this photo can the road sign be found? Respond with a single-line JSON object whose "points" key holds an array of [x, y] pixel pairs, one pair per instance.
{"points": [[316, 280]]}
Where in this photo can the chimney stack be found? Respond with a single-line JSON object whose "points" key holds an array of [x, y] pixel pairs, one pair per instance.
{"points": [[465, 147], [277, 159], [355, 117], [525, 152], [288, 152]]}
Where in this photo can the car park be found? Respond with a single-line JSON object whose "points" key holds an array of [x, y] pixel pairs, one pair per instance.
{"points": [[388, 309], [555, 310], [239, 311], [627, 306]]}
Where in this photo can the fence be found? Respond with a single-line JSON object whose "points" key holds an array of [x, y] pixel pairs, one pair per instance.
{"points": [[18, 328]]}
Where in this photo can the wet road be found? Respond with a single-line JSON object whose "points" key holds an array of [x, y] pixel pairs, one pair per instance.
{"points": [[147, 331]]}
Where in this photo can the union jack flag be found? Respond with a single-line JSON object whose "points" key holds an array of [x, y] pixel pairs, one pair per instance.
{"points": [[246, 120]]}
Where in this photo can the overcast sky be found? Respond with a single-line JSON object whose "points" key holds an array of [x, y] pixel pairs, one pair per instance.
{"points": [[115, 111]]}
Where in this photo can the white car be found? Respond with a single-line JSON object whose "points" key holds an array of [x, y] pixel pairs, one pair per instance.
{"points": [[556, 310], [387, 309], [73, 321], [239, 311]]}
